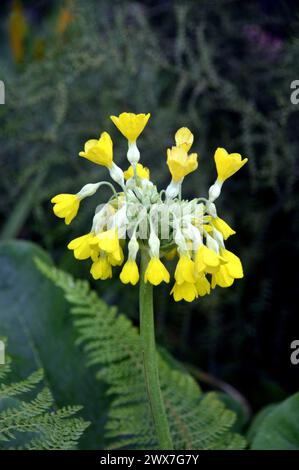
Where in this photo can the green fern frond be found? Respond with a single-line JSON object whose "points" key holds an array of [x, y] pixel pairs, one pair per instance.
{"points": [[33, 424], [112, 343]]}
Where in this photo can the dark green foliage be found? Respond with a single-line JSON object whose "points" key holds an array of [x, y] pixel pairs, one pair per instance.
{"points": [[277, 426], [112, 344], [32, 422]]}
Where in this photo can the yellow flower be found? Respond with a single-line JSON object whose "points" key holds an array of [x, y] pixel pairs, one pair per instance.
{"points": [[81, 246], [106, 241], [234, 265], [156, 272], [130, 125], [186, 291], [129, 273], [207, 260], [66, 206], [185, 270], [227, 273], [203, 286], [227, 164], [99, 151], [180, 163], [141, 170], [116, 258], [101, 268], [184, 138], [223, 227]]}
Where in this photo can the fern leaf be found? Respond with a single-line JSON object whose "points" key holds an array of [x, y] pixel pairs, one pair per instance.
{"points": [[112, 344]]}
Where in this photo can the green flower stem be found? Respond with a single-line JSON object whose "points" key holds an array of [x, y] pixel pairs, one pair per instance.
{"points": [[147, 333]]}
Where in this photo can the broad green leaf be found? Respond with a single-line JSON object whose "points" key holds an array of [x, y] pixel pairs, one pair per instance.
{"points": [[276, 427], [35, 318]]}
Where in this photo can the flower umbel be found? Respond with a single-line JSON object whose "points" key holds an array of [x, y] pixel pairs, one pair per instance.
{"points": [[160, 224]]}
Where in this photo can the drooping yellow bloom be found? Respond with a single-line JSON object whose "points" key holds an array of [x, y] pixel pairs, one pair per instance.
{"points": [[202, 285], [223, 227], [81, 246], [180, 163], [66, 206], [207, 260], [116, 258], [184, 138], [185, 291], [129, 273], [142, 171], [227, 273], [106, 241], [234, 265], [131, 125], [227, 164], [185, 270], [99, 151], [156, 272], [101, 268], [17, 31]]}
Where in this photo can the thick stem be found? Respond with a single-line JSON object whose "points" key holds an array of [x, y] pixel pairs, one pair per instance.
{"points": [[147, 333]]}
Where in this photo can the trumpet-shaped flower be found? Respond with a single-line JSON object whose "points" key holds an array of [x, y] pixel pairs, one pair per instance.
{"points": [[185, 270], [129, 273], [101, 268], [207, 260], [185, 291], [106, 241], [184, 138], [180, 163], [223, 227], [81, 246], [156, 272], [131, 125], [142, 172], [202, 285], [116, 258], [99, 151], [227, 164], [66, 206]]}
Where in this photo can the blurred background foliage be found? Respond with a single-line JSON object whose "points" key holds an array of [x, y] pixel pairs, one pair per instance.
{"points": [[222, 68]]}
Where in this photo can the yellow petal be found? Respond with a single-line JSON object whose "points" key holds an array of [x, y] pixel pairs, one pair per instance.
{"points": [[99, 151], [185, 270], [223, 227], [180, 163], [185, 291], [142, 172], [227, 164], [129, 273], [184, 138], [130, 125], [156, 272]]}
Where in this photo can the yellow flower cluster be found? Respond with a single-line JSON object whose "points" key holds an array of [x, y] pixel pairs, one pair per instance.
{"points": [[195, 233]]}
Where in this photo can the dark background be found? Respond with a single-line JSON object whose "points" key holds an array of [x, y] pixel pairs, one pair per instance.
{"points": [[222, 68]]}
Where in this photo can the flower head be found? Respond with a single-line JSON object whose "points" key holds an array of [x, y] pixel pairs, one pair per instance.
{"points": [[159, 223], [227, 164], [131, 125], [99, 151]]}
